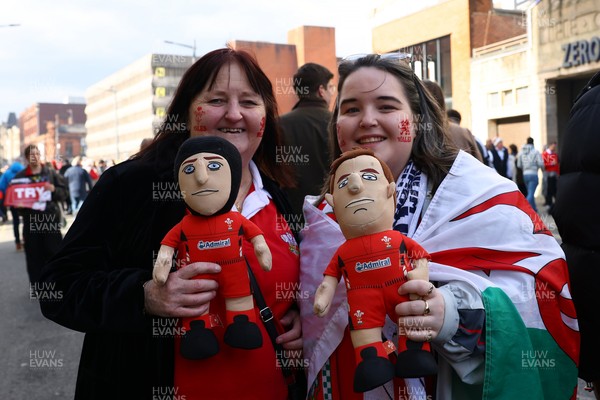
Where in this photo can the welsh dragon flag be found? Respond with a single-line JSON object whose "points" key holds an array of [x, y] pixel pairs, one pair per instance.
{"points": [[483, 232]]}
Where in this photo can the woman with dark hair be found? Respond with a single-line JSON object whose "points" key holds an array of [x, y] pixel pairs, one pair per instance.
{"points": [[498, 273], [104, 267]]}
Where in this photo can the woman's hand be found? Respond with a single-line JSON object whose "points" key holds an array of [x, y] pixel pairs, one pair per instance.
{"points": [[414, 320], [182, 296], [292, 338]]}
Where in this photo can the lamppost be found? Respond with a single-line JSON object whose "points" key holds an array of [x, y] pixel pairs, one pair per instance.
{"points": [[56, 139], [185, 45]]}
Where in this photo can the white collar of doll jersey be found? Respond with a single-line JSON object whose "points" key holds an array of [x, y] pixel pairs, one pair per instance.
{"points": [[259, 198]]}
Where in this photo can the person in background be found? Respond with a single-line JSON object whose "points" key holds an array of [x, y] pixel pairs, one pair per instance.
{"points": [[499, 158], [491, 257], [518, 174], [455, 117], [305, 132], [5, 179], [145, 143], [67, 206], [462, 138], [104, 266], [577, 217], [552, 171], [530, 161], [80, 183], [90, 167], [102, 166], [41, 225]]}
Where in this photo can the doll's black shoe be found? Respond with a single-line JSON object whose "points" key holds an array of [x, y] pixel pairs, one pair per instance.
{"points": [[243, 334], [373, 371], [199, 342], [415, 362]]}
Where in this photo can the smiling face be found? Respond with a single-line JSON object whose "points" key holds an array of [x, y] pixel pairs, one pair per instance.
{"points": [[362, 198], [230, 109], [205, 181], [374, 113]]}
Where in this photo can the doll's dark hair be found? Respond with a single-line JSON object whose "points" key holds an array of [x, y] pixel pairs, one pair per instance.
{"points": [[215, 145]]}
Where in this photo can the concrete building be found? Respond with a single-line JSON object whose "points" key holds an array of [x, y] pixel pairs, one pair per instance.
{"points": [[511, 72], [440, 36], [38, 124], [566, 53], [10, 140], [280, 61], [129, 105]]}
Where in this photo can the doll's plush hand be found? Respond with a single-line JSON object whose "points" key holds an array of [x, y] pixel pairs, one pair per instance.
{"points": [[181, 295], [292, 338], [324, 296], [263, 254], [162, 266], [419, 324]]}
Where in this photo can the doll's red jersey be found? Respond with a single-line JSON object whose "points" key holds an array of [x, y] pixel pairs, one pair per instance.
{"points": [[375, 259], [217, 239]]}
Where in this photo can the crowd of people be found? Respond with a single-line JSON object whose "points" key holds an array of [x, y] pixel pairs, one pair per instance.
{"points": [[495, 309]]}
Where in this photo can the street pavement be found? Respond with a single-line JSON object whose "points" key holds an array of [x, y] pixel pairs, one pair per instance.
{"points": [[40, 358]]}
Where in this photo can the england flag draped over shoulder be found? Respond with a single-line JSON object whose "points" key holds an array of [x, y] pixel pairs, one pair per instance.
{"points": [[469, 231], [480, 231]]}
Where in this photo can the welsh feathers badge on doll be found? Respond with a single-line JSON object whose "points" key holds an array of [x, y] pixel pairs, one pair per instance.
{"points": [[209, 172], [375, 261]]}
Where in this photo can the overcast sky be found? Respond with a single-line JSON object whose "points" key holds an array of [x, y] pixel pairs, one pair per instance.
{"points": [[61, 47]]}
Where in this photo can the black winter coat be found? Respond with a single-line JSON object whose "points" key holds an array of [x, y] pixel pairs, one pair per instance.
{"points": [[577, 216], [99, 271]]}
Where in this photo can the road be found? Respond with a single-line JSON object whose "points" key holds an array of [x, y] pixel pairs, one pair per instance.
{"points": [[40, 358]]}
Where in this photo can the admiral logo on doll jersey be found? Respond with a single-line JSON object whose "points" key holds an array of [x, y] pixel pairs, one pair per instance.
{"points": [[202, 245], [371, 265]]}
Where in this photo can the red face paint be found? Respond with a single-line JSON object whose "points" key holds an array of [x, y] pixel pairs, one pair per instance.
{"points": [[261, 129], [404, 128], [198, 120]]}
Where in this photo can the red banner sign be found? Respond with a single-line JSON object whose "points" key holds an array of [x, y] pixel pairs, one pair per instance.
{"points": [[24, 195]]}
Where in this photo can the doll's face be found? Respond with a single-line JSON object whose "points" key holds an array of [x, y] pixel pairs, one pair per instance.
{"points": [[205, 181], [362, 198]]}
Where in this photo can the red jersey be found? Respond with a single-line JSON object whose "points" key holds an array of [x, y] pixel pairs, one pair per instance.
{"points": [[227, 375], [372, 260], [374, 267], [551, 161], [218, 239]]}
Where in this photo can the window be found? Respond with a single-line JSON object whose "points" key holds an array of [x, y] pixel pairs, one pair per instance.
{"points": [[508, 98], [493, 100], [522, 95], [431, 60]]}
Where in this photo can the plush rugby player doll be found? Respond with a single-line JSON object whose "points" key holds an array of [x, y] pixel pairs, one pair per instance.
{"points": [[375, 261], [209, 172]]}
